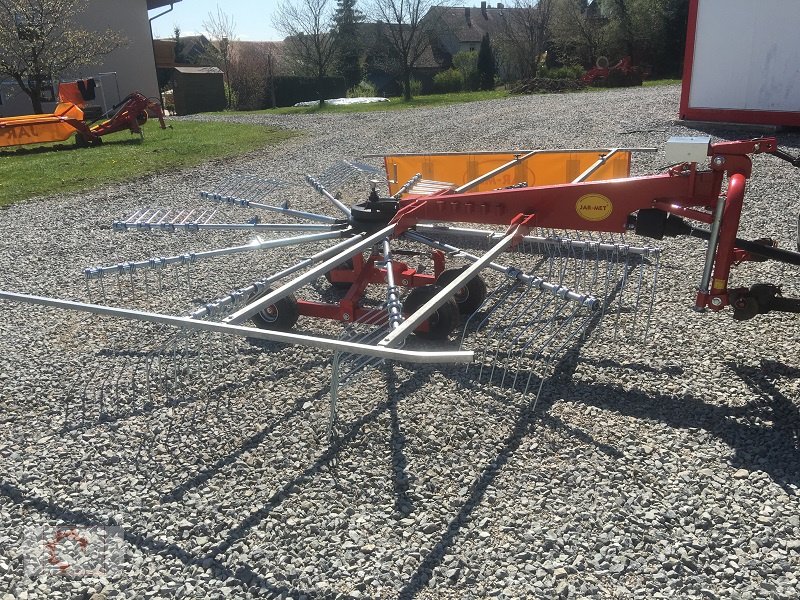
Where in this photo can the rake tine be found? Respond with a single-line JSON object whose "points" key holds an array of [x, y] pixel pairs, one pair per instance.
{"points": [[656, 269], [557, 353], [537, 317], [511, 288], [516, 313], [622, 286], [536, 337]]}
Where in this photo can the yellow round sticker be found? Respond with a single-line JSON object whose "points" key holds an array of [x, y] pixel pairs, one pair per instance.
{"points": [[594, 207]]}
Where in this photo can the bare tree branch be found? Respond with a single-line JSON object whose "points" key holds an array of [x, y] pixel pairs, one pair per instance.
{"points": [[407, 26], [310, 44], [40, 40], [221, 30], [526, 32]]}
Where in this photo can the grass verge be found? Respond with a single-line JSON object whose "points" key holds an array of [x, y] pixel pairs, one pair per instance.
{"points": [[393, 104], [43, 170], [658, 82]]}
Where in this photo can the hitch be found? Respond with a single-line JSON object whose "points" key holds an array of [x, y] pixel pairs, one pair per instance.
{"points": [[783, 155], [760, 299]]}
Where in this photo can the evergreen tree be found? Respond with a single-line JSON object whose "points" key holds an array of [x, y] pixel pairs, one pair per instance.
{"points": [[487, 66], [346, 19], [179, 45]]}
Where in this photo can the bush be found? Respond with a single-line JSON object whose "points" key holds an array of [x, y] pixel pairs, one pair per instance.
{"points": [[230, 92], [540, 85], [566, 72], [448, 81], [416, 87], [363, 90], [467, 63]]}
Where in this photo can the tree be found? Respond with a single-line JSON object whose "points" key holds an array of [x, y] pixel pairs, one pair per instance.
{"points": [[252, 68], [487, 66], [40, 40], [310, 44], [676, 16], [624, 24], [406, 26], [525, 35], [579, 37], [221, 30], [348, 44], [179, 45], [466, 62]]}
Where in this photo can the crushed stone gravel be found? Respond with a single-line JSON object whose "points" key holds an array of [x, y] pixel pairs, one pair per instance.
{"points": [[667, 468]]}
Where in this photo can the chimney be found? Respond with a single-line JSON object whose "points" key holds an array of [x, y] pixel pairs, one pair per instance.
{"points": [[467, 16], [483, 10]]}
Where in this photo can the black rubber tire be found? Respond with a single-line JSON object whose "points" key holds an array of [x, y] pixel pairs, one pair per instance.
{"points": [[81, 141], [280, 316], [442, 322], [340, 285], [470, 297]]}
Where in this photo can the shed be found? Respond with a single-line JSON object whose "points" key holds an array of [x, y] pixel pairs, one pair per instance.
{"points": [[198, 89], [741, 62]]}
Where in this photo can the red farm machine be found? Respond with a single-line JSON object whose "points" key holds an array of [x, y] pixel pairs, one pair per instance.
{"points": [[622, 74], [528, 252], [68, 119]]}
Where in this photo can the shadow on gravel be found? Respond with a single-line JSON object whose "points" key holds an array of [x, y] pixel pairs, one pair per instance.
{"points": [[204, 476], [403, 503], [245, 576], [774, 449], [146, 543]]}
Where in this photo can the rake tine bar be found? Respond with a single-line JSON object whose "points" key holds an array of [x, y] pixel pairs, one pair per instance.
{"points": [[189, 258], [240, 202]]}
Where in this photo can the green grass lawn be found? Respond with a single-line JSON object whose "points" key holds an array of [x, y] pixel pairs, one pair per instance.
{"points": [[393, 104], [658, 82], [29, 171], [417, 102]]}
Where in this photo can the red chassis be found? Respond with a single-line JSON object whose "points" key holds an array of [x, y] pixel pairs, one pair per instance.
{"points": [[130, 114], [651, 205]]}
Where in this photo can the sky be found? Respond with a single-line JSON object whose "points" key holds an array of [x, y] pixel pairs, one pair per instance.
{"points": [[252, 18]]}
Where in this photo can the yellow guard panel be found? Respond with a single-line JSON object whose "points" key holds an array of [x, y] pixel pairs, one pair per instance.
{"points": [[39, 129], [543, 168]]}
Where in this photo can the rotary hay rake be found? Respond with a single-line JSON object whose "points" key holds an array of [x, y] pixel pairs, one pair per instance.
{"points": [[549, 265]]}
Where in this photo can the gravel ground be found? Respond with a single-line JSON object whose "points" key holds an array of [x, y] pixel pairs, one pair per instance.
{"points": [[656, 468]]}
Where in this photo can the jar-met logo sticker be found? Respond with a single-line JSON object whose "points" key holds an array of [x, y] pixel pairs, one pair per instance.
{"points": [[594, 207]]}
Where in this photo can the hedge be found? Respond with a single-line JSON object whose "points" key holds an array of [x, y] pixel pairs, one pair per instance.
{"points": [[290, 89]]}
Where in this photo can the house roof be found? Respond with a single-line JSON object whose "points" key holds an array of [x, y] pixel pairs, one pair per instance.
{"points": [[469, 24], [151, 4]]}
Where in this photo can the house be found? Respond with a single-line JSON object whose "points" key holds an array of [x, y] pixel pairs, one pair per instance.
{"points": [[382, 70], [127, 69], [461, 28], [451, 29]]}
